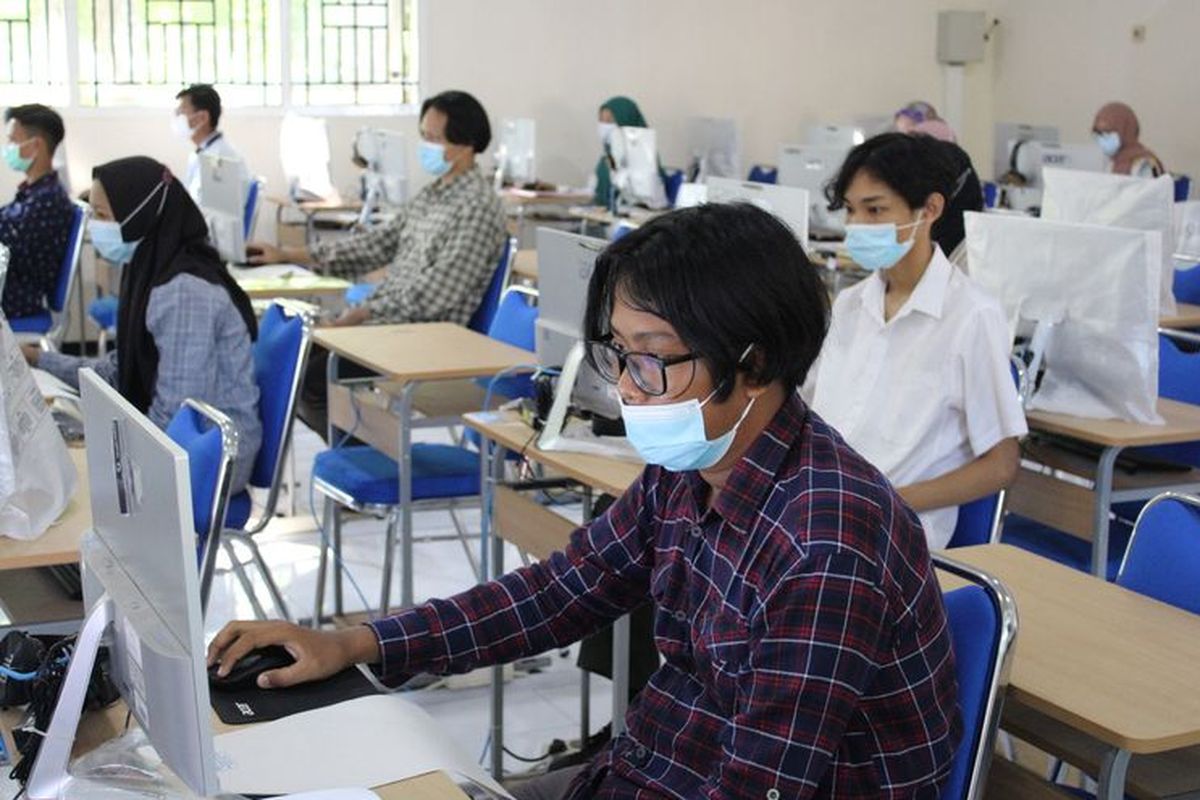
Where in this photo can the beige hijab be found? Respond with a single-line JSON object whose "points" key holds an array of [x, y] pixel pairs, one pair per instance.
{"points": [[1120, 118]]}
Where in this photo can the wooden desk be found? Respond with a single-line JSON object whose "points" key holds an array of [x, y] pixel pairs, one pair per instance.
{"points": [[407, 356], [1186, 316], [1034, 491], [525, 265], [311, 209], [597, 215], [1104, 660], [541, 532], [60, 544]]}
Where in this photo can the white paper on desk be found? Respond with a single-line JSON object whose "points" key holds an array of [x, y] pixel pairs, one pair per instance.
{"points": [[268, 272], [371, 741], [577, 437]]}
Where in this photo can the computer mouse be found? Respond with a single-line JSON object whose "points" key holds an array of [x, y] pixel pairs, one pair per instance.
{"points": [[244, 674]]}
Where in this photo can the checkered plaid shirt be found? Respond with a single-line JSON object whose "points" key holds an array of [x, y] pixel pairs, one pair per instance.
{"points": [[804, 642], [440, 251]]}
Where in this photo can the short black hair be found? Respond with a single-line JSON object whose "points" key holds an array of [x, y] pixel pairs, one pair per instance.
{"points": [[39, 120], [466, 120], [725, 276], [965, 195], [913, 166], [203, 97]]}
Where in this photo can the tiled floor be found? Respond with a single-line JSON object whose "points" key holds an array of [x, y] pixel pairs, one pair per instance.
{"points": [[539, 707]]}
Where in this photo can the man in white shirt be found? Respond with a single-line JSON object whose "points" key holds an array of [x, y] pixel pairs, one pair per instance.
{"points": [[914, 372], [196, 119]]}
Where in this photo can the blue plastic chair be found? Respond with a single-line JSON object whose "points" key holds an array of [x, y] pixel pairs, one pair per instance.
{"points": [[367, 481], [1183, 188], [1163, 559], [1186, 284], [983, 626], [49, 326], [515, 323], [210, 440], [671, 182], [279, 356], [250, 215], [763, 173], [481, 320]]}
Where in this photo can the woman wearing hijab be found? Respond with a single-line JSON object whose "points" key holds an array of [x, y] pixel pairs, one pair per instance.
{"points": [[616, 112], [184, 328], [1116, 130]]}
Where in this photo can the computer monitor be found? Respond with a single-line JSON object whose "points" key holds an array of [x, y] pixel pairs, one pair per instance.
{"points": [[844, 136], [810, 167], [635, 174], [386, 178], [141, 589], [224, 186], [789, 203], [304, 156], [516, 153], [1032, 157], [714, 149], [565, 262], [1009, 134]]}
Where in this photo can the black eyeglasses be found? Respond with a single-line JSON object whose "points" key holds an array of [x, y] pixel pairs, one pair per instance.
{"points": [[649, 371]]}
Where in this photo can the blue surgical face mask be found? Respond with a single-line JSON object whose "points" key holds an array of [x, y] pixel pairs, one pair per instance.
{"points": [[433, 158], [1109, 142], [14, 159], [106, 238], [876, 247], [672, 435]]}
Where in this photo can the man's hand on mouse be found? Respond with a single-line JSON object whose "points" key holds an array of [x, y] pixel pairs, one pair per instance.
{"points": [[318, 654], [262, 253]]}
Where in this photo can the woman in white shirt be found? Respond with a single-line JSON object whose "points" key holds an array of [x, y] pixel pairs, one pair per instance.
{"points": [[915, 371]]}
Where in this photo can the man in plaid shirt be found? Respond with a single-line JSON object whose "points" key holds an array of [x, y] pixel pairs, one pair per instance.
{"points": [[804, 642], [432, 262]]}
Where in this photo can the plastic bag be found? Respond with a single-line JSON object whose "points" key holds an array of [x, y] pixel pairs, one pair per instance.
{"points": [[1100, 288], [1187, 232], [37, 478], [124, 768], [1119, 201]]}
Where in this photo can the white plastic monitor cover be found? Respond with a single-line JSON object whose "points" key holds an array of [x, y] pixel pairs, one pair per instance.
{"points": [[843, 136], [517, 150], [1007, 134], [789, 204], [716, 144], [635, 151], [304, 156], [1100, 288]]}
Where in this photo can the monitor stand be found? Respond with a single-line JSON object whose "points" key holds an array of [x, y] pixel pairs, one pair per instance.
{"points": [[49, 777], [557, 418]]}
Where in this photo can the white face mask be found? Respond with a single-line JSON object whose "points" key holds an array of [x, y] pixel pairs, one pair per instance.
{"points": [[180, 128]]}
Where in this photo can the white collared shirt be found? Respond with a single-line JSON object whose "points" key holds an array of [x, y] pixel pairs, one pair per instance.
{"points": [[217, 144], [924, 393]]}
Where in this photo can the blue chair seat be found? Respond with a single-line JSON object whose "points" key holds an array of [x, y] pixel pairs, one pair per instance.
{"points": [[1062, 547], [103, 311], [370, 477], [34, 323], [238, 513]]}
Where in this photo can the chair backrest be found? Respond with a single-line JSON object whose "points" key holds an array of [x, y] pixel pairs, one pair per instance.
{"points": [[976, 521], [1178, 372], [1186, 284], [763, 173], [515, 322], [481, 320], [983, 626], [250, 216], [674, 179], [1163, 557], [210, 440], [60, 300], [279, 355], [1183, 188]]}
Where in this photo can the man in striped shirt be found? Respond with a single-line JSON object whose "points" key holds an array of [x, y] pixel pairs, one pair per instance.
{"points": [[804, 642]]}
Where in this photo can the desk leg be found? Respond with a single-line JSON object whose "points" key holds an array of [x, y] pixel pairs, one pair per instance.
{"points": [[1103, 492], [497, 737], [1112, 775], [406, 529]]}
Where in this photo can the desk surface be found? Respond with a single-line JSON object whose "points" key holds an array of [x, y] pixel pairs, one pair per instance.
{"points": [[311, 206], [1182, 425], [1107, 661], [60, 544], [610, 475], [528, 197], [525, 264], [1186, 316], [423, 351]]}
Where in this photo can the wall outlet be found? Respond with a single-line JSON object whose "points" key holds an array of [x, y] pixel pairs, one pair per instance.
{"points": [[1139, 33]]}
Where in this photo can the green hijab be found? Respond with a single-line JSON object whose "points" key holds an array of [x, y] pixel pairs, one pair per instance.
{"points": [[627, 115]]}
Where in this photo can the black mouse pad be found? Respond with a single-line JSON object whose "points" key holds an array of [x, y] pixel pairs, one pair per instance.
{"points": [[242, 706]]}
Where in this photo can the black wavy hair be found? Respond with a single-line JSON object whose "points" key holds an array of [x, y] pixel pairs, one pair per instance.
{"points": [[913, 166]]}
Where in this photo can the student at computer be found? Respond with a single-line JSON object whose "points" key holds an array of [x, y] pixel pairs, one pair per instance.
{"points": [[915, 368], [184, 328], [615, 113], [805, 644], [36, 225], [1116, 129], [195, 121], [439, 252]]}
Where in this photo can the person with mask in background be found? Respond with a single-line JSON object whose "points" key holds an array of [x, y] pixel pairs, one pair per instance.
{"points": [[615, 113], [184, 327], [915, 368], [439, 252], [196, 119], [36, 225], [1116, 130], [805, 651]]}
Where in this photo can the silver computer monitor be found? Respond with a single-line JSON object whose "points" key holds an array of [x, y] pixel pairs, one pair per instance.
{"points": [[1032, 157], [714, 149], [635, 172], [844, 136], [811, 167], [141, 589], [1009, 134], [386, 178], [304, 157], [516, 151], [224, 187], [789, 203]]}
